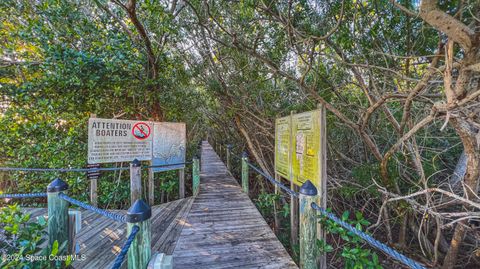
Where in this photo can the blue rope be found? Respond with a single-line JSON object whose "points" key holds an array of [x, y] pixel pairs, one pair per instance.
{"points": [[278, 183], [121, 256], [165, 165], [22, 169], [110, 215], [369, 239], [93, 169], [23, 195]]}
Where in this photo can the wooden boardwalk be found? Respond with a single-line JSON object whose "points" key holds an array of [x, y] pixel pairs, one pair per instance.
{"points": [[219, 228], [224, 229], [101, 238]]}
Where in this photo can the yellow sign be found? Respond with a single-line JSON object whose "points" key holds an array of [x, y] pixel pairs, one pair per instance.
{"points": [[306, 147], [304, 159], [282, 146]]}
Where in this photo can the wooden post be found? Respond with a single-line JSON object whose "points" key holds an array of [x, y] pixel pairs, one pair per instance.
{"points": [[293, 216], [229, 149], [74, 226], [293, 200], [93, 192], [195, 176], [181, 183], [151, 185], [276, 206], [308, 226], [93, 183], [57, 215], [135, 181], [162, 192], [245, 172], [322, 191], [140, 251]]}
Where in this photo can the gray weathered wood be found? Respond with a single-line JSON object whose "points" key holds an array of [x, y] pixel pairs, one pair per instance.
{"points": [[151, 186], [74, 217], [293, 216], [135, 182], [322, 191], [245, 174], [229, 168], [308, 231], [293, 201], [100, 239], [219, 228], [181, 183], [224, 228], [94, 192], [57, 220], [195, 176], [93, 183], [276, 206]]}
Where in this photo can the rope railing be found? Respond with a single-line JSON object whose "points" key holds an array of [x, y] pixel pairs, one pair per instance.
{"points": [[276, 182], [136, 216], [166, 165], [123, 252], [139, 211], [369, 239], [103, 212], [93, 169], [23, 195], [366, 237], [62, 170]]}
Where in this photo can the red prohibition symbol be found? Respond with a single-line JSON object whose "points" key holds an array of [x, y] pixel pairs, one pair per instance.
{"points": [[141, 130]]}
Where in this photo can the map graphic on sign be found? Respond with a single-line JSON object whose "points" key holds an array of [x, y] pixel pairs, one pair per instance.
{"points": [[169, 145]]}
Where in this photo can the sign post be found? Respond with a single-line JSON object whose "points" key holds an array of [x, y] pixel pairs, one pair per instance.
{"points": [[300, 155], [181, 183], [93, 177], [151, 185], [135, 181]]}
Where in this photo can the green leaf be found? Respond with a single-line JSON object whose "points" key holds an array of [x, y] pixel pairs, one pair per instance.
{"points": [[54, 248], [345, 215]]}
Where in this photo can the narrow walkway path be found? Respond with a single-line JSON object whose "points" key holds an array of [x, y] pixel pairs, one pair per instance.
{"points": [[220, 228], [224, 229]]}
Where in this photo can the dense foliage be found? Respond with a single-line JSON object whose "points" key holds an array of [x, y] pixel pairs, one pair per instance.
{"points": [[399, 79], [20, 237]]}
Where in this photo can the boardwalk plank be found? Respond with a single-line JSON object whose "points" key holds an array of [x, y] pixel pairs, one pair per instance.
{"points": [[101, 239], [220, 228], [225, 229]]}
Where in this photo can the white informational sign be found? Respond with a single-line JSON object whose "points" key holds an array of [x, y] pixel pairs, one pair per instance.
{"points": [[111, 140], [169, 144]]}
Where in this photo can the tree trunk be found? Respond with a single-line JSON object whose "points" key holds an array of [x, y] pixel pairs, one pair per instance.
{"points": [[470, 181]]}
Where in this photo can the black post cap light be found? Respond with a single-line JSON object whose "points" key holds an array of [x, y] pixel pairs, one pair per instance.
{"points": [[57, 185], [139, 211], [136, 163], [308, 189]]}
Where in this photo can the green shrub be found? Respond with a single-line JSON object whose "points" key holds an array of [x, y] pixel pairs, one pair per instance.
{"points": [[21, 241], [353, 254]]}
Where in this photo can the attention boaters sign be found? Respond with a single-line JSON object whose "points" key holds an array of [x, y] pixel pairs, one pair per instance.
{"points": [[112, 140]]}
